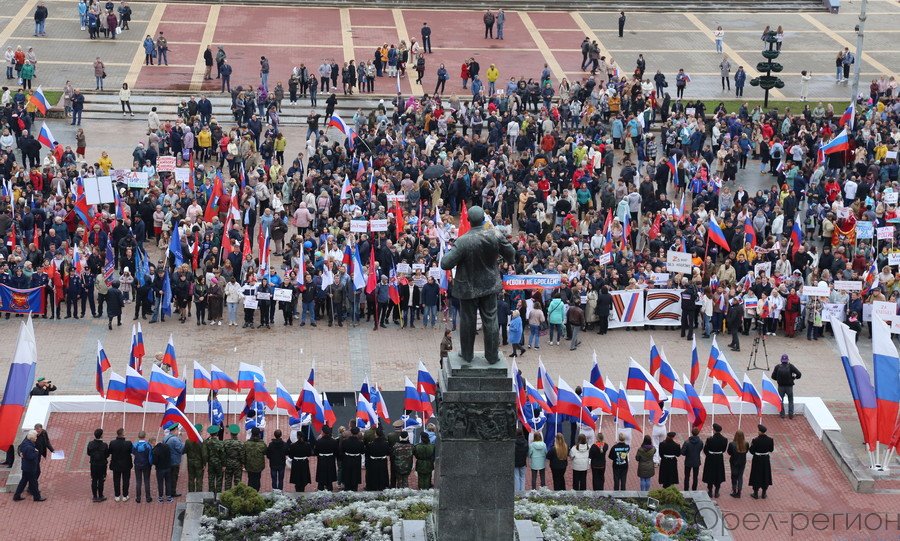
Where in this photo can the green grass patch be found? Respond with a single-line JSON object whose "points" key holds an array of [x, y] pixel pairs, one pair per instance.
{"points": [[734, 105], [53, 96]]}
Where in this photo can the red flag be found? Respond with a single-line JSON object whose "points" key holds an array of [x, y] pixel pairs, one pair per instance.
{"points": [[419, 232], [56, 280], [12, 236], [654, 229], [398, 216], [464, 226], [608, 222], [372, 282], [195, 251], [212, 206], [36, 239], [191, 178], [246, 244]]}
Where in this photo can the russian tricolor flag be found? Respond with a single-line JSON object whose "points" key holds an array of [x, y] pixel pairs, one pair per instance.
{"points": [[545, 383], [102, 366], [596, 376], [623, 410], [345, 189], [613, 395], [667, 376], [427, 409], [220, 380], [886, 365], [695, 361], [639, 379], [169, 356], [365, 415], [137, 349], [847, 117], [672, 164], [860, 382], [840, 143], [715, 234], [425, 381], [163, 385], [262, 395], [202, 379], [309, 399], [18, 385], [337, 122], [248, 375], [45, 137], [328, 411], [719, 398], [696, 403], [116, 388], [380, 406], [652, 406], [750, 395], [681, 402], [749, 232], [39, 100], [411, 399], [534, 395], [570, 404], [136, 387], [655, 357], [595, 399], [722, 371], [770, 392], [284, 400], [175, 415], [364, 389]]}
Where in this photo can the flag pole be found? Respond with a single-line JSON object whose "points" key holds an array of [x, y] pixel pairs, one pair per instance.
{"points": [[193, 391], [103, 415], [145, 413], [740, 414], [124, 404]]}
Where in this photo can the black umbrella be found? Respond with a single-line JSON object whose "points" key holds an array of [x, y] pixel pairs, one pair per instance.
{"points": [[435, 171]]}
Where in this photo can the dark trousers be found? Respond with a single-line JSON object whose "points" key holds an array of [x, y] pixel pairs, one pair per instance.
{"points": [[173, 479], [468, 310], [534, 476], [598, 478], [142, 477], [726, 81], [737, 480], [489, 30], [579, 480], [735, 338], [603, 324], [619, 478], [253, 479], [277, 478], [559, 479], [687, 475], [163, 483], [786, 390], [688, 322], [98, 478], [29, 478], [121, 482], [10, 456]]}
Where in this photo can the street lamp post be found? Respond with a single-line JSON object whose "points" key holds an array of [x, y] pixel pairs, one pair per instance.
{"points": [[768, 81]]}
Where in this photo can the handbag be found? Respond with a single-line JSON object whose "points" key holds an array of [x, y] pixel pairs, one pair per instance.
{"points": [[103, 76]]}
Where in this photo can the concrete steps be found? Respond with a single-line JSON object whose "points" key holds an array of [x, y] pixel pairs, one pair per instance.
{"points": [[541, 5], [106, 106]]}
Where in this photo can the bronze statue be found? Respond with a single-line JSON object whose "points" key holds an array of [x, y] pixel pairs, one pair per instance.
{"points": [[477, 283]]}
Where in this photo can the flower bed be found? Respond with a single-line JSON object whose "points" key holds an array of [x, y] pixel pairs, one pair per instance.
{"points": [[325, 516]]}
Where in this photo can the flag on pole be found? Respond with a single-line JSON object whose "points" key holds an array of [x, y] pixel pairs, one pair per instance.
{"points": [[220, 380], [594, 398], [176, 416], [696, 403], [284, 400], [379, 404], [655, 357], [680, 401], [249, 374], [169, 358], [886, 365], [623, 410], [596, 376], [569, 403], [425, 381], [115, 389], [136, 387], [202, 378], [19, 381], [639, 379], [859, 380], [46, 138], [102, 366], [411, 399], [328, 411], [715, 234], [39, 100], [695, 361], [750, 394]]}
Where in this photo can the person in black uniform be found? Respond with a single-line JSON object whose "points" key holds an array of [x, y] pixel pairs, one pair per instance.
{"points": [[688, 308], [326, 468], [300, 451], [98, 450], [74, 291], [669, 451], [761, 467], [714, 463], [621, 23], [604, 306], [734, 319], [352, 450], [426, 38], [377, 456], [89, 281]]}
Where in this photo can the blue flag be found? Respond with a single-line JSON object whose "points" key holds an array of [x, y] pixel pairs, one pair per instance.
{"points": [[109, 264], [167, 296], [175, 247]]}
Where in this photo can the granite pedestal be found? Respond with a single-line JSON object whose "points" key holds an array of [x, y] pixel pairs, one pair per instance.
{"points": [[476, 447]]}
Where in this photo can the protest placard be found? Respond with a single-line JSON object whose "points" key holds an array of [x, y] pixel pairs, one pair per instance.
{"points": [[378, 225], [678, 261], [865, 230], [848, 285], [165, 164], [282, 295], [359, 226], [815, 291], [886, 233]]}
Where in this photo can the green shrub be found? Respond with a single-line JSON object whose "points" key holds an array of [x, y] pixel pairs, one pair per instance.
{"points": [[243, 500], [668, 496]]}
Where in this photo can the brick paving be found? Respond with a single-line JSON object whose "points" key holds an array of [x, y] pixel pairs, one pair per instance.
{"points": [[290, 35]]}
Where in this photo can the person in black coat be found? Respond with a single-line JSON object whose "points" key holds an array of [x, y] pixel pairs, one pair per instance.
{"points": [[114, 304], [326, 466], [669, 451], [352, 451], [597, 456], [299, 452], [714, 462], [98, 450], [276, 452], [734, 320], [604, 306], [761, 467], [120, 463], [377, 455], [31, 468], [161, 457]]}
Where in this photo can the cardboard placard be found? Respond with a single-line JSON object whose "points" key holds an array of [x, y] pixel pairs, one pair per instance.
{"points": [[815, 291], [251, 303], [263, 296], [865, 230], [418, 267], [891, 155], [137, 179], [403, 267], [886, 310], [763, 267], [867, 312], [843, 212], [165, 164], [604, 259], [894, 258], [890, 198], [435, 273], [659, 278], [182, 175], [848, 285], [378, 225], [884, 233], [396, 197], [283, 295], [833, 311], [678, 261], [359, 226], [98, 190]]}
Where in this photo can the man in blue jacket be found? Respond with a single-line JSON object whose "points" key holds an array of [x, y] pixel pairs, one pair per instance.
{"points": [[142, 458], [176, 448], [31, 460]]}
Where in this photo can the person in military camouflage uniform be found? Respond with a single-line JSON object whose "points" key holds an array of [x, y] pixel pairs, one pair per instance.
{"points": [[196, 459], [254, 458], [424, 454], [234, 458], [215, 458], [402, 460]]}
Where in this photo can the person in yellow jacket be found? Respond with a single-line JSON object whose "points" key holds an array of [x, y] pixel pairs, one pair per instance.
{"points": [[204, 143], [492, 75], [105, 163], [280, 145]]}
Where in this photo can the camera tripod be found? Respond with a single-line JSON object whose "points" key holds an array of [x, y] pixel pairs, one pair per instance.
{"points": [[754, 350]]}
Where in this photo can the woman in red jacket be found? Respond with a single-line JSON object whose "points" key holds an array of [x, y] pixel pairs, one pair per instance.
{"points": [[791, 311], [464, 73]]}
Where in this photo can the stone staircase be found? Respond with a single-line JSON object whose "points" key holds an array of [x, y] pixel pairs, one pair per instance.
{"points": [[105, 106], [540, 5]]}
